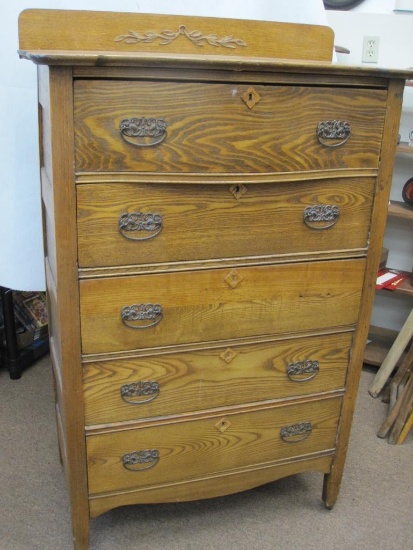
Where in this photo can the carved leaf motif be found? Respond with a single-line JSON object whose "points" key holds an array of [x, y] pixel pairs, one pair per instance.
{"points": [[167, 36], [195, 34]]}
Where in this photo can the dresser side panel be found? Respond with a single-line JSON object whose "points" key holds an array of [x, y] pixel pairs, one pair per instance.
{"points": [[379, 216], [60, 207]]}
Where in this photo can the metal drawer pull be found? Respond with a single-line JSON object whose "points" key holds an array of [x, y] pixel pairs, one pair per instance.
{"points": [[321, 216], [296, 432], [142, 131], [147, 391], [333, 130], [141, 460], [310, 367], [135, 222], [137, 315]]}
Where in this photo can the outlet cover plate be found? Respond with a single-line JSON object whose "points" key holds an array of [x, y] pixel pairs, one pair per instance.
{"points": [[371, 46]]}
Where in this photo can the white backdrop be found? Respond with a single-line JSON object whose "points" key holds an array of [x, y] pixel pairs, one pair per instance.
{"points": [[21, 247]]}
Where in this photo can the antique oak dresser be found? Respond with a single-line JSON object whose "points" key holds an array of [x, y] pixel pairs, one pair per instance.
{"points": [[214, 196]]}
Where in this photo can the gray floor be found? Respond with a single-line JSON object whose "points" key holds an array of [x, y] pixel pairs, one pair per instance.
{"points": [[374, 510]]}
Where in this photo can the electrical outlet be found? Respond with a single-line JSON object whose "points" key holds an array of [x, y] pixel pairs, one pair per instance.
{"points": [[371, 49]]}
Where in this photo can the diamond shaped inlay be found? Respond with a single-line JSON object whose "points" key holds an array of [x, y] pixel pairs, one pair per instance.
{"points": [[223, 425], [238, 190], [233, 278], [251, 97], [228, 355]]}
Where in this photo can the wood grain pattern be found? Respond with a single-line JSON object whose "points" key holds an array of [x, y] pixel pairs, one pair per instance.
{"points": [[206, 222], [216, 132], [201, 306], [325, 74], [221, 377], [66, 30], [197, 448], [379, 215], [49, 236], [57, 92], [225, 483]]}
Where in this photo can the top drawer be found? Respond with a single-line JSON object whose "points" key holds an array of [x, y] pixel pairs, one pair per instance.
{"points": [[175, 127]]}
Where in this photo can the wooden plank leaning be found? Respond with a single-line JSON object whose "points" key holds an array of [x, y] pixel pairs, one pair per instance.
{"points": [[404, 412], [398, 411], [407, 427], [401, 376], [392, 357]]}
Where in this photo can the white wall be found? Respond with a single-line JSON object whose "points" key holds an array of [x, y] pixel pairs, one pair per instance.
{"points": [[396, 51], [375, 6]]}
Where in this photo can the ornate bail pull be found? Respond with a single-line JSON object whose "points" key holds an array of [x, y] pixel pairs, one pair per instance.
{"points": [[137, 226], [321, 216], [141, 316], [296, 432], [142, 131], [137, 461], [303, 371], [333, 133], [139, 393]]}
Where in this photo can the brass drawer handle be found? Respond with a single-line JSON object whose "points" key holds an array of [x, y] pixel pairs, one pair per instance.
{"points": [[141, 460], [139, 393], [310, 367], [133, 223], [137, 316], [321, 216], [296, 432], [333, 130], [142, 131]]}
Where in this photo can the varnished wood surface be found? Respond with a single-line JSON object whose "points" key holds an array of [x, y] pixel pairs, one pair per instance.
{"points": [[219, 263], [205, 222], [202, 306], [308, 74], [60, 30], [378, 76], [216, 131], [57, 93], [210, 178], [220, 377], [225, 483], [49, 237], [379, 215], [288, 292], [198, 448]]}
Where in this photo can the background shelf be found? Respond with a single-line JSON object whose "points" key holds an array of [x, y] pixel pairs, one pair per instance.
{"points": [[403, 147], [400, 209]]}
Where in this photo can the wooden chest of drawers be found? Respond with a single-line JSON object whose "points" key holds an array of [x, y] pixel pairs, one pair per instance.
{"points": [[213, 228]]}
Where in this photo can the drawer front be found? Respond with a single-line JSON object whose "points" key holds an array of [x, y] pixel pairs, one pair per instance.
{"points": [[126, 224], [177, 383], [168, 453], [224, 128], [127, 313]]}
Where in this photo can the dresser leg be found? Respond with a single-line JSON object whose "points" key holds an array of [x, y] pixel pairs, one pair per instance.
{"points": [[331, 489], [80, 530]]}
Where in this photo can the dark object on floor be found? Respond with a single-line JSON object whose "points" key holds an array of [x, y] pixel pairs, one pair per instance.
{"points": [[407, 192], [12, 357]]}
